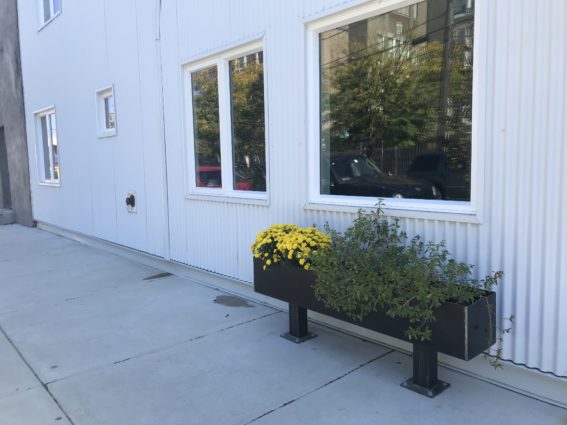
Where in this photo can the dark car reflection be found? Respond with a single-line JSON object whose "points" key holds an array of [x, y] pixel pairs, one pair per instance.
{"points": [[357, 175], [451, 178]]}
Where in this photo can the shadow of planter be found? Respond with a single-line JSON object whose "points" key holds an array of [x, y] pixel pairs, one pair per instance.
{"points": [[461, 331]]}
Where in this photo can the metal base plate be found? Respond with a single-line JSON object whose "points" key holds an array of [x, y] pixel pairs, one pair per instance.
{"points": [[430, 392], [298, 339]]}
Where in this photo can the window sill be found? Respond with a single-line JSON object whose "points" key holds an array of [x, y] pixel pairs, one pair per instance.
{"points": [[50, 184], [107, 133], [50, 20], [246, 199], [455, 211]]}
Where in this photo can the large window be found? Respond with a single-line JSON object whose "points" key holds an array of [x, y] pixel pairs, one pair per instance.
{"points": [[396, 104], [47, 147], [227, 123]]}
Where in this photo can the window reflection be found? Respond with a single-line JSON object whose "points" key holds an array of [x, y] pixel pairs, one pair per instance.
{"points": [[396, 103], [49, 147], [204, 85], [248, 129], [109, 113]]}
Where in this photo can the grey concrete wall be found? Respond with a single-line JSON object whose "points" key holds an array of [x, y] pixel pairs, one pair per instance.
{"points": [[12, 116]]}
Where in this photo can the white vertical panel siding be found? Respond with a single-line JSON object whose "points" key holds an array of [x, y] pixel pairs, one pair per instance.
{"points": [[525, 160], [151, 126], [555, 328], [122, 43], [524, 117], [89, 46], [171, 21]]}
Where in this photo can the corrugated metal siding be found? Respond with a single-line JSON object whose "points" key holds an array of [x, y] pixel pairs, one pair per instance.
{"points": [[81, 51], [524, 117]]}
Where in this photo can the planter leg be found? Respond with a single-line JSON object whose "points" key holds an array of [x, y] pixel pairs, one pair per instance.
{"points": [[424, 380], [297, 325]]}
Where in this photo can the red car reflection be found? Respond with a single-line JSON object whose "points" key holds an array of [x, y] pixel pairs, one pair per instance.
{"points": [[210, 176]]}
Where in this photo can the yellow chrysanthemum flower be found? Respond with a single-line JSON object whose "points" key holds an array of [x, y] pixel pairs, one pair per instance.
{"points": [[289, 243]]}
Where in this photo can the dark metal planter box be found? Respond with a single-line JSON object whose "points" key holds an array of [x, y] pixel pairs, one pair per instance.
{"points": [[462, 331]]}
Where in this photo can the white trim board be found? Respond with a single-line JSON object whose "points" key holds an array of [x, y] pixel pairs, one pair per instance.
{"points": [[540, 386]]}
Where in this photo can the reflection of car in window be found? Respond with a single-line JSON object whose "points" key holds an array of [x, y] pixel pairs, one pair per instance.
{"points": [[209, 176], [357, 175], [450, 177], [243, 182]]}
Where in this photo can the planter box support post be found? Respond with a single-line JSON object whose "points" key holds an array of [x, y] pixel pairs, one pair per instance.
{"points": [[298, 331], [424, 380]]}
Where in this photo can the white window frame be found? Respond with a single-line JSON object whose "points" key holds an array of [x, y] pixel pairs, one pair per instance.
{"points": [[40, 153], [100, 96], [226, 193], [52, 13], [461, 211]]}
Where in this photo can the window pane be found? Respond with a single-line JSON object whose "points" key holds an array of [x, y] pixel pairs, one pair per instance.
{"points": [[54, 147], [396, 101], [46, 10], [461, 7], [45, 148], [206, 127], [248, 130], [56, 6], [109, 115]]}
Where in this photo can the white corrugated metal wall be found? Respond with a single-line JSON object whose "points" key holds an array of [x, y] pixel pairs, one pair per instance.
{"points": [[93, 45], [523, 116], [524, 120]]}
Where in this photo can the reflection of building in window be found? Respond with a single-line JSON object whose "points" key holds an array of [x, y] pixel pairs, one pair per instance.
{"points": [[398, 86], [47, 147], [404, 11], [463, 7]]}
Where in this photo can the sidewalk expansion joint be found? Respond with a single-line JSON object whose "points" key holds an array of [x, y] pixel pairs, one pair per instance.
{"points": [[287, 403], [159, 349], [44, 385]]}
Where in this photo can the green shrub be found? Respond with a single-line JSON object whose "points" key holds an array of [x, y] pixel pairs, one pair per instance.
{"points": [[373, 265]]}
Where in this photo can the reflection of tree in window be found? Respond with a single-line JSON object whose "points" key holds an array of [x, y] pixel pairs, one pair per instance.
{"points": [[396, 100], [248, 129], [206, 127]]}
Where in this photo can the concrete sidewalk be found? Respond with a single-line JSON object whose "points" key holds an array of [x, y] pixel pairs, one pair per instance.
{"points": [[91, 338]]}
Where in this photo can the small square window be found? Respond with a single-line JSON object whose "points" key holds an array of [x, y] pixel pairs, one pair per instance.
{"points": [[47, 147], [106, 112], [48, 9]]}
